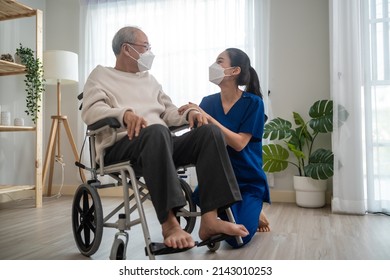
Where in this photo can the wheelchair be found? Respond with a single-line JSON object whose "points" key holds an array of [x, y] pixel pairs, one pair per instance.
{"points": [[88, 220]]}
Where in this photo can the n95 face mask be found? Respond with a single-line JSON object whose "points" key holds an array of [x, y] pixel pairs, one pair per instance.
{"points": [[145, 60], [217, 73]]}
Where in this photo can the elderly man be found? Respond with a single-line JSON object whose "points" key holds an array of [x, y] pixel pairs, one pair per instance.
{"points": [[131, 94]]}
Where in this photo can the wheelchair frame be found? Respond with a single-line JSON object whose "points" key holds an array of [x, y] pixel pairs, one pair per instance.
{"points": [[87, 213]]}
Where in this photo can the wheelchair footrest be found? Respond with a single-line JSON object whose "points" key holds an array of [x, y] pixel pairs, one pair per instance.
{"points": [[161, 249], [214, 239]]}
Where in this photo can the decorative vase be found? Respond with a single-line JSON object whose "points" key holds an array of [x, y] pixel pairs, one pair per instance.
{"points": [[17, 58], [309, 193]]}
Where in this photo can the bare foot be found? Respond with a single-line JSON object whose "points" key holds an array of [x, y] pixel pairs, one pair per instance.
{"points": [[174, 235], [211, 225], [263, 223]]}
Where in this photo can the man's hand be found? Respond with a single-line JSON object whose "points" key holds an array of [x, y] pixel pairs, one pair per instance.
{"points": [[134, 124]]}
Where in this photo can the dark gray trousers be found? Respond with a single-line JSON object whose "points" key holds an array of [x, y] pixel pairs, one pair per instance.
{"points": [[156, 154]]}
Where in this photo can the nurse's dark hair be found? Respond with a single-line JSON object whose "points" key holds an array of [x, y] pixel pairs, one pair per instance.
{"points": [[248, 76]]}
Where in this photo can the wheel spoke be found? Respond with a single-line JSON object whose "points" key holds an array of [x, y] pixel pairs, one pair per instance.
{"points": [[87, 237], [85, 202], [90, 225]]}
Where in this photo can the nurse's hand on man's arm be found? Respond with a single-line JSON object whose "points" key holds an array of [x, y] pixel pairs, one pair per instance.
{"points": [[196, 118]]}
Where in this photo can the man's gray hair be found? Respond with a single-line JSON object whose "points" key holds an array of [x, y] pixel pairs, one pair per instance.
{"points": [[124, 35]]}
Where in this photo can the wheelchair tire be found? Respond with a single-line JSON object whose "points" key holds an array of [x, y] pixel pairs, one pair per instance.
{"points": [[187, 222], [87, 219], [213, 247], [118, 250]]}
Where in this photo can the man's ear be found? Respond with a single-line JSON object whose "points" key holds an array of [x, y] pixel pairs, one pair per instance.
{"points": [[126, 49]]}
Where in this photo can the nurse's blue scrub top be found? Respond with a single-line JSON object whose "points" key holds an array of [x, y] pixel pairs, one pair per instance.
{"points": [[247, 116]]}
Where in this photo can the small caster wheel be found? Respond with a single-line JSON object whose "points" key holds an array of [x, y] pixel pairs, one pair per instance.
{"points": [[214, 246], [118, 250]]}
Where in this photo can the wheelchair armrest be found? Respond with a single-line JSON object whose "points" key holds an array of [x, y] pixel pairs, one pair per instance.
{"points": [[111, 122]]}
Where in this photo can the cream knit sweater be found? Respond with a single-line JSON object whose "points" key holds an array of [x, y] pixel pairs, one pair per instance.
{"points": [[110, 93]]}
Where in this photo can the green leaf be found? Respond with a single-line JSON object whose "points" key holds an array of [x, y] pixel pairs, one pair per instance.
{"points": [[322, 116], [274, 158], [296, 151], [320, 165], [277, 129], [302, 131], [298, 119], [298, 139]]}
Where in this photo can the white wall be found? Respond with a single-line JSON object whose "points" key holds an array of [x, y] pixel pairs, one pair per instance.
{"points": [[62, 33], [299, 69], [299, 62]]}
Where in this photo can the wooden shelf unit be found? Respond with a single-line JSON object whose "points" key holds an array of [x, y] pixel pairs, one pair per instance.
{"points": [[9, 128], [10, 68], [10, 9]]}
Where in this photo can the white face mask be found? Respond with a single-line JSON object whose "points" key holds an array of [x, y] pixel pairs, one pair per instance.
{"points": [[217, 73], [144, 61]]}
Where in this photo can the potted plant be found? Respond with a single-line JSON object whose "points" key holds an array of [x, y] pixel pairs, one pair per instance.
{"points": [[314, 166], [33, 79]]}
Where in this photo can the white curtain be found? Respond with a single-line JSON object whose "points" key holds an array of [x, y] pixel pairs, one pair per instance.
{"points": [[360, 71], [376, 25], [186, 37], [348, 185]]}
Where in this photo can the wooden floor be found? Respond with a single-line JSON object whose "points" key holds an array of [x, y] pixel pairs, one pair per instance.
{"points": [[296, 233]]}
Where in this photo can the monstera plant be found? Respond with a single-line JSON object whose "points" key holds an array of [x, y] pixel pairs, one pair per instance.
{"points": [[299, 141]]}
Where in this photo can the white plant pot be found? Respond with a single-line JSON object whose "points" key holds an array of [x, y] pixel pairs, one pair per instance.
{"points": [[309, 193]]}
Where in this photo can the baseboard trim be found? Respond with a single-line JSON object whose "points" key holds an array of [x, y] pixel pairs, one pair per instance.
{"points": [[286, 196], [276, 195], [282, 196], [71, 190]]}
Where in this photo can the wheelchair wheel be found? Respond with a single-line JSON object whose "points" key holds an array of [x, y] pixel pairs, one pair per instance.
{"points": [[214, 246], [118, 250], [187, 222], [87, 219]]}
